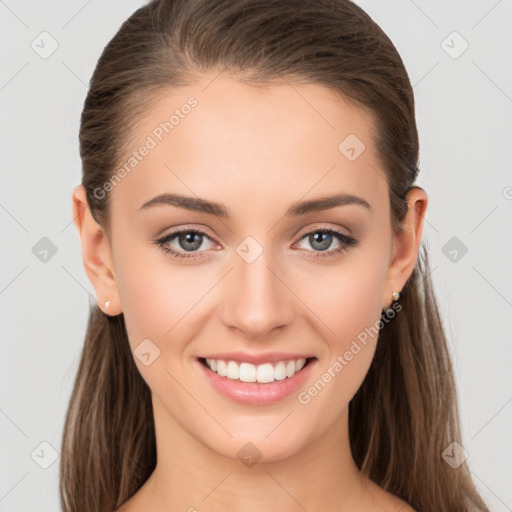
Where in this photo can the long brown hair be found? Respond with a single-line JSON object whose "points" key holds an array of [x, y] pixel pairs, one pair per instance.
{"points": [[405, 413]]}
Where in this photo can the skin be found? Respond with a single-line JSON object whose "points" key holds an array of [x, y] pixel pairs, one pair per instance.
{"points": [[257, 151]]}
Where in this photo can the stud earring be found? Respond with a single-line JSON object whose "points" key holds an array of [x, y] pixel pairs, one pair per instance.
{"points": [[105, 306], [395, 296]]}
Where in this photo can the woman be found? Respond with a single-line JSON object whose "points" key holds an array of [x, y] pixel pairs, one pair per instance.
{"points": [[266, 335]]}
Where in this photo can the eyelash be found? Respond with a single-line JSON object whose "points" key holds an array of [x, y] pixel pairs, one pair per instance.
{"points": [[342, 237]]}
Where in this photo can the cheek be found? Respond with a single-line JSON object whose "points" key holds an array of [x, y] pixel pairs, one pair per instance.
{"points": [[152, 293], [161, 299], [347, 299], [349, 306], [347, 296], [158, 301]]}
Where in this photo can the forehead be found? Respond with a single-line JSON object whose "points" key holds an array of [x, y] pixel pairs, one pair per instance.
{"points": [[274, 142]]}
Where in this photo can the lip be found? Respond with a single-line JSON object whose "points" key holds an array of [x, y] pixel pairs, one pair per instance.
{"points": [[269, 357], [255, 393]]}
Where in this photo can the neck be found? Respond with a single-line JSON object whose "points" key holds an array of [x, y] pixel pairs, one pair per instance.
{"points": [[190, 476]]}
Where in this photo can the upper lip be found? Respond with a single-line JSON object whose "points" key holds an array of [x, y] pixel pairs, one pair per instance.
{"points": [[269, 357]]}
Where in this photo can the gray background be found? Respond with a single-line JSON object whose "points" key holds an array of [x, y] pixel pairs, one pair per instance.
{"points": [[464, 105]]}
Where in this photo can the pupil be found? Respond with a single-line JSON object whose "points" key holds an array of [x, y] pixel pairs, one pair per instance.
{"points": [[190, 238], [323, 245], [195, 239]]}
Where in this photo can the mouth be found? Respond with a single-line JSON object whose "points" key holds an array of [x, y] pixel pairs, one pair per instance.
{"points": [[256, 384], [265, 373]]}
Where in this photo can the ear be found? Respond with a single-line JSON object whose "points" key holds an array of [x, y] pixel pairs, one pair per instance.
{"points": [[406, 243], [96, 254]]}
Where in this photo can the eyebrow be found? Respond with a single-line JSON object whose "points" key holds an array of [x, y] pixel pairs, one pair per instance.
{"points": [[219, 210]]}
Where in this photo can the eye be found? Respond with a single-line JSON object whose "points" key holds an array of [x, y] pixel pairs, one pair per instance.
{"points": [[321, 239], [188, 240]]}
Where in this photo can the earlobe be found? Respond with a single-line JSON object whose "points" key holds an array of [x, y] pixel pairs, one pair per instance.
{"points": [[407, 242], [96, 254]]}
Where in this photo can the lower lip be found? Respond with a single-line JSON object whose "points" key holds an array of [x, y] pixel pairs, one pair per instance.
{"points": [[255, 393]]}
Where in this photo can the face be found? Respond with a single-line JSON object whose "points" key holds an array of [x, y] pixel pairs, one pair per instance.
{"points": [[254, 278]]}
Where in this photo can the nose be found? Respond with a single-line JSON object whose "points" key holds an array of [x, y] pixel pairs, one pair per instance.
{"points": [[257, 299]]}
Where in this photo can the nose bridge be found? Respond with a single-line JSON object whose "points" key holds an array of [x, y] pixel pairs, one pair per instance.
{"points": [[256, 299]]}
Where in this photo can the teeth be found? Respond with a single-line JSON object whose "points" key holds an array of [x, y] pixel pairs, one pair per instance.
{"points": [[291, 368], [221, 367], [263, 373], [232, 370]]}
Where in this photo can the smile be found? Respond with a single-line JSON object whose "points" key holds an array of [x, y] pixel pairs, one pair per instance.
{"points": [[262, 373], [252, 384]]}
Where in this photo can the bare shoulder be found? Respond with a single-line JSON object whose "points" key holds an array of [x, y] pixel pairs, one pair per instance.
{"points": [[138, 501], [125, 507], [392, 503], [122, 508], [404, 507], [386, 501], [131, 505]]}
